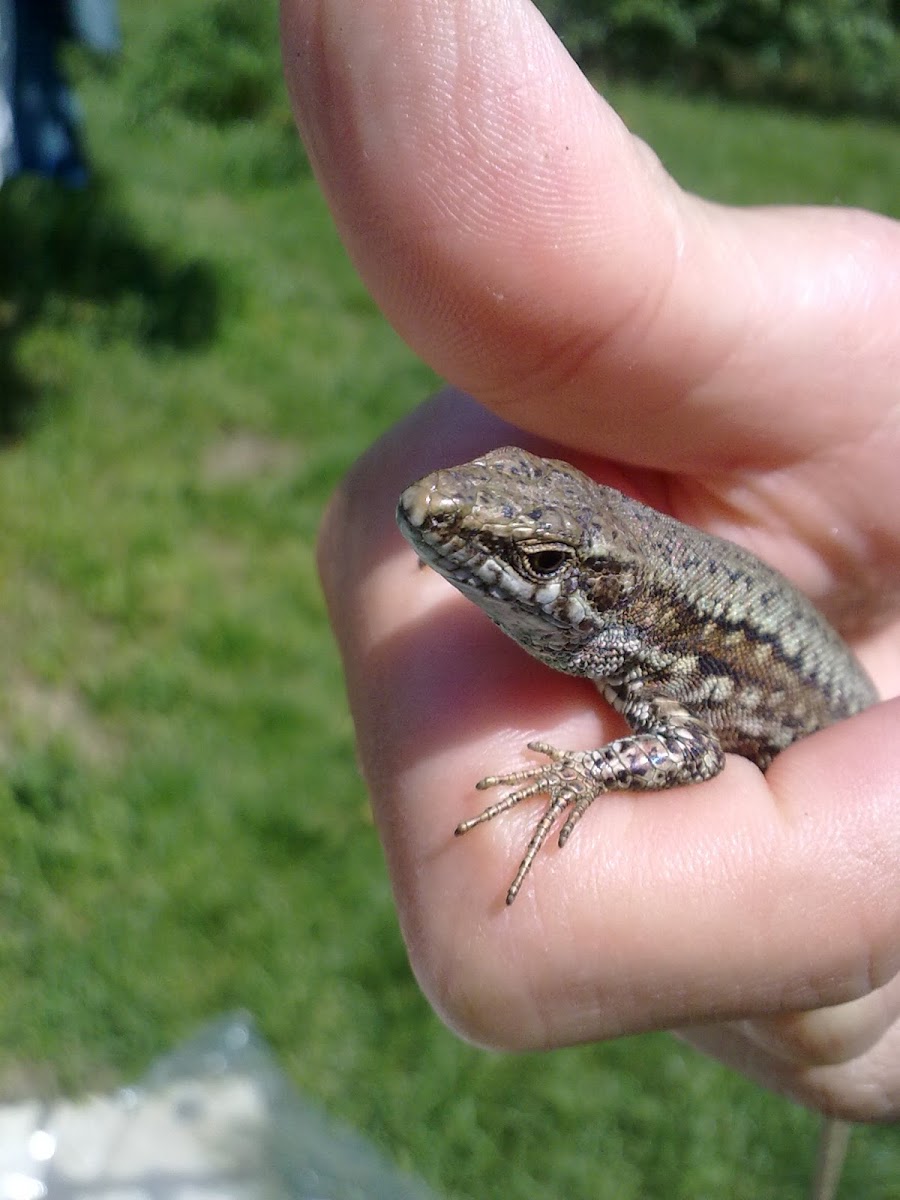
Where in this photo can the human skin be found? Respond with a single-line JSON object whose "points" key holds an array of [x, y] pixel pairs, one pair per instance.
{"points": [[736, 368]]}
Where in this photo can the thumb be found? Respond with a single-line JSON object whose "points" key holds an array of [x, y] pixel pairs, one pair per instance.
{"points": [[537, 255]]}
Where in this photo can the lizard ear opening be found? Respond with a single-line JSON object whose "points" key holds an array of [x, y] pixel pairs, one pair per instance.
{"points": [[610, 582]]}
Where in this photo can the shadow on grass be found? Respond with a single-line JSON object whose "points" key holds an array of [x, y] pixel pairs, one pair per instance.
{"points": [[74, 258]]}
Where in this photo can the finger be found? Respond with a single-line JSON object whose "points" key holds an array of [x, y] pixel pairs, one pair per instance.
{"points": [[536, 254], [830, 1035], [738, 897], [842, 1061]]}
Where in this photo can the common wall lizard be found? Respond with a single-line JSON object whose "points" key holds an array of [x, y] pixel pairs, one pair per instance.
{"points": [[698, 644]]}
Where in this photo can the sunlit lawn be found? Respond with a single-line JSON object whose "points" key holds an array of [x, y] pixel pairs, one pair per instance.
{"points": [[187, 364]]}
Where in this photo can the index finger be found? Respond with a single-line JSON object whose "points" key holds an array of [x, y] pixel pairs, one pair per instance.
{"points": [[741, 896]]}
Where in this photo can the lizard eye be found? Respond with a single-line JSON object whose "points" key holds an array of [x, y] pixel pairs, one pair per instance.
{"points": [[543, 562]]}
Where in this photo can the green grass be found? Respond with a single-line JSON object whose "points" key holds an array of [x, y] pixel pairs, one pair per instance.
{"points": [[742, 155], [187, 364]]}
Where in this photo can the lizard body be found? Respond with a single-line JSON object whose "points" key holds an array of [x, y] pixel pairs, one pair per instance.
{"points": [[701, 646]]}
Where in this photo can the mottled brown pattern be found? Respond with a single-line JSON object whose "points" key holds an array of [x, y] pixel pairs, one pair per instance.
{"points": [[700, 645]]}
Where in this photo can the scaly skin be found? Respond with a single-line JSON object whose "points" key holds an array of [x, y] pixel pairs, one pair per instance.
{"points": [[701, 646], [697, 643]]}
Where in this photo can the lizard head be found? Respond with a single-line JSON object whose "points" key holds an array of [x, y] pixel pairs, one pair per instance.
{"points": [[534, 543]]}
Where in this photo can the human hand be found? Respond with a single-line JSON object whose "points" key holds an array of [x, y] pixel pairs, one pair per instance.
{"points": [[737, 368]]}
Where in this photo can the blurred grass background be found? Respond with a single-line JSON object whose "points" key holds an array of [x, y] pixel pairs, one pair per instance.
{"points": [[187, 365]]}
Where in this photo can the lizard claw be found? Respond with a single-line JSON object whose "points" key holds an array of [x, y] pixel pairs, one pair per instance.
{"points": [[566, 779]]}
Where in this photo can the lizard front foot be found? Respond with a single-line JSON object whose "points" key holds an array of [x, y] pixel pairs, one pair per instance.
{"points": [[666, 755], [568, 779]]}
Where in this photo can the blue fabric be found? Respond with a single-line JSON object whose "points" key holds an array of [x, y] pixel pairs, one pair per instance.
{"points": [[9, 158], [95, 23], [44, 110]]}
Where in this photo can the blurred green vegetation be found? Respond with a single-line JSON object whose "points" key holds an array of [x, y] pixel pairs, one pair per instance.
{"points": [[824, 55], [187, 365]]}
